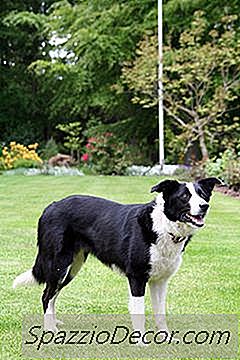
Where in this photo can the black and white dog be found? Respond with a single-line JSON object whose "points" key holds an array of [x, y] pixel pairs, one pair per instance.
{"points": [[144, 241]]}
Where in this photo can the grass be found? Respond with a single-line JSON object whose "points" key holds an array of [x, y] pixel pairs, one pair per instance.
{"points": [[207, 282]]}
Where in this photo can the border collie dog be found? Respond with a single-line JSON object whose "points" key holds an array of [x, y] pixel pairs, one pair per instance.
{"points": [[144, 241]]}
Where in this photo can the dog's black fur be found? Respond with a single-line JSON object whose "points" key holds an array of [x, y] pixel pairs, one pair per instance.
{"points": [[116, 234]]}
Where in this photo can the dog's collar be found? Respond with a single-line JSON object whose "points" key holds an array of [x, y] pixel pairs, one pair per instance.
{"points": [[177, 239]]}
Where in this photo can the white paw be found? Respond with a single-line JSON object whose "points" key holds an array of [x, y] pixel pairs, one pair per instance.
{"points": [[50, 323]]}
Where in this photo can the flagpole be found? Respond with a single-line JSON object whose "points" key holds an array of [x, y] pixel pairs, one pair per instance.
{"points": [[160, 84]]}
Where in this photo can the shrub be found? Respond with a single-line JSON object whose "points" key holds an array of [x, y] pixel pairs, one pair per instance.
{"points": [[232, 174], [50, 149], [72, 138], [106, 155], [2, 167], [226, 167], [25, 163], [217, 166], [18, 155]]}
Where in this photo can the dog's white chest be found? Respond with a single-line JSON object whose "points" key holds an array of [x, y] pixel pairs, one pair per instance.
{"points": [[165, 258]]}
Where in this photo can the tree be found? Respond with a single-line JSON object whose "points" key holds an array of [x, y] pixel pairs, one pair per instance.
{"points": [[93, 42], [179, 14], [72, 139], [201, 81], [62, 61], [23, 40]]}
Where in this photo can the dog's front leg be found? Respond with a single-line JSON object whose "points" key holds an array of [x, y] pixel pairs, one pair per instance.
{"points": [[136, 304], [158, 291]]}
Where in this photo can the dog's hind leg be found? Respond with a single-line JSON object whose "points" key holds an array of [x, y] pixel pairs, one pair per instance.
{"points": [[53, 289], [48, 299]]}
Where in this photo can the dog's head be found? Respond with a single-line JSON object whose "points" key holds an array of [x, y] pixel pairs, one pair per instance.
{"points": [[186, 202]]}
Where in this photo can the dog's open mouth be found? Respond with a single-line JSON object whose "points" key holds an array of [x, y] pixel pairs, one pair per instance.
{"points": [[197, 220]]}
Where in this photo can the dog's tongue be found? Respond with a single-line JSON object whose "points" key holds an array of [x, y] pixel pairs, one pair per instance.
{"points": [[197, 219]]}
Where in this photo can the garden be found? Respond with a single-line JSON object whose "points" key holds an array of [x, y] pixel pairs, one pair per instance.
{"points": [[82, 81], [79, 115]]}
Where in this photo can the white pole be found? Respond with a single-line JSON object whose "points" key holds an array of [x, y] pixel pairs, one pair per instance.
{"points": [[160, 84]]}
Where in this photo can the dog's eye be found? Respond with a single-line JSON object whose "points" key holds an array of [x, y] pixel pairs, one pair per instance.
{"points": [[185, 196]]}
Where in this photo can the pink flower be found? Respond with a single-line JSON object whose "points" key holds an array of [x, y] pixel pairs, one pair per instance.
{"points": [[85, 157], [89, 146], [92, 139]]}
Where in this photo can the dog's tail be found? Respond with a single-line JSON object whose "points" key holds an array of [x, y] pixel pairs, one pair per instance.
{"points": [[32, 276], [25, 279]]}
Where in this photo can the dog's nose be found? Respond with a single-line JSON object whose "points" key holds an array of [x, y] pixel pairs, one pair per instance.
{"points": [[204, 207]]}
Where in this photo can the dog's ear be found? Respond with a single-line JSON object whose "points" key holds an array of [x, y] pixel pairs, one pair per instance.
{"points": [[209, 183], [165, 186]]}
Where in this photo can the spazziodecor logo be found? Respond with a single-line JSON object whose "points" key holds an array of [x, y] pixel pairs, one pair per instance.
{"points": [[112, 336]]}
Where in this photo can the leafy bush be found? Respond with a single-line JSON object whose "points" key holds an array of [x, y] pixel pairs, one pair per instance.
{"points": [[73, 141], [25, 163], [232, 174], [106, 155], [217, 166], [50, 149], [226, 167], [18, 155], [2, 167]]}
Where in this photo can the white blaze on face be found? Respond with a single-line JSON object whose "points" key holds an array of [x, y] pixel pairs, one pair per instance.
{"points": [[195, 200]]}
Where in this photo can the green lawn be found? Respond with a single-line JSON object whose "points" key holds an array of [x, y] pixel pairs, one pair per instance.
{"points": [[208, 281]]}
